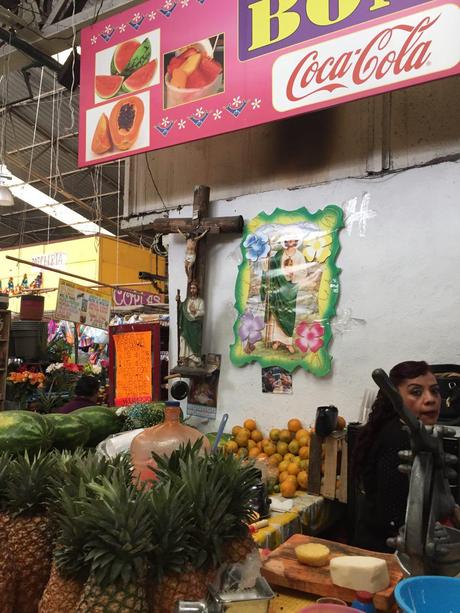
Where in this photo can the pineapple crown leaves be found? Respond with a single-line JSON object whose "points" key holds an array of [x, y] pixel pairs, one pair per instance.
{"points": [[170, 468], [220, 489], [118, 522], [5, 462], [69, 552], [28, 489], [172, 534]]}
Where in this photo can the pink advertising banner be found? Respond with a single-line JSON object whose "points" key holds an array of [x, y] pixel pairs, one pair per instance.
{"points": [[173, 71]]}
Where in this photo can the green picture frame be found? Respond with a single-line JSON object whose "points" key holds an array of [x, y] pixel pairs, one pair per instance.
{"points": [[287, 290]]}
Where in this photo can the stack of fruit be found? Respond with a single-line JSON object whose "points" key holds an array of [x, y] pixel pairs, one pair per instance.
{"points": [[78, 536], [286, 452]]}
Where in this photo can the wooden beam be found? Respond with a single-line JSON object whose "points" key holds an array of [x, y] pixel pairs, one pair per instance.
{"points": [[164, 225]]}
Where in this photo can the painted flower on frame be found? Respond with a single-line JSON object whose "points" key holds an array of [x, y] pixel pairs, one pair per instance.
{"points": [[310, 336], [318, 249], [251, 328], [256, 247]]}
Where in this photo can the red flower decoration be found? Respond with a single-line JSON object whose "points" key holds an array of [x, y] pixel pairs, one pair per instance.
{"points": [[309, 336]]}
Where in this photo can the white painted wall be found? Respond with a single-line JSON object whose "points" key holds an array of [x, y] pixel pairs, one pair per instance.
{"points": [[400, 278]]}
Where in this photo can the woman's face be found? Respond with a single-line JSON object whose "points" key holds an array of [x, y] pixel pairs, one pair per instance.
{"points": [[421, 396]]}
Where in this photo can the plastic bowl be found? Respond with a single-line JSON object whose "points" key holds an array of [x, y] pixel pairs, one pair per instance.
{"points": [[428, 595], [328, 608]]}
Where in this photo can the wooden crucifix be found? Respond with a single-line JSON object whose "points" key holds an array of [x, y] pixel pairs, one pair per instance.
{"points": [[191, 311]]}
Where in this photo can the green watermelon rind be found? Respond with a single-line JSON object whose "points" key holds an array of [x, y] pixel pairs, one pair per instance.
{"points": [[29, 432], [102, 422], [140, 58], [70, 431], [113, 67]]}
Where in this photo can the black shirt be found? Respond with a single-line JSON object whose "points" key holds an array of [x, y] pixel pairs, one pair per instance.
{"points": [[382, 499]]}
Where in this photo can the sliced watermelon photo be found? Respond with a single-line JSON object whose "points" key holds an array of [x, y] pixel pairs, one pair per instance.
{"points": [[108, 86], [140, 78], [122, 54]]}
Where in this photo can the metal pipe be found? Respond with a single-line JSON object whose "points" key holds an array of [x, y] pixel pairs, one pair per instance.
{"points": [[45, 142], [44, 59], [68, 274]]}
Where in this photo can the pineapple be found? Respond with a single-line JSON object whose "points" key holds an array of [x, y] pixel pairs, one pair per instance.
{"points": [[118, 524], [69, 569], [173, 559], [210, 496], [29, 529], [7, 574]]}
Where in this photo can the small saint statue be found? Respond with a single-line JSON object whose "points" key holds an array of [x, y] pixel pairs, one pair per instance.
{"points": [[24, 282], [190, 323], [11, 285], [37, 282], [191, 242]]}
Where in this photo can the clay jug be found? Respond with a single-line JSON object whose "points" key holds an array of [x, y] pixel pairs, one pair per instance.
{"points": [[162, 439]]}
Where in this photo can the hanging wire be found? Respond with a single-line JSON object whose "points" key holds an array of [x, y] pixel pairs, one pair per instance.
{"points": [[29, 174], [74, 37], [154, 183], [118, 216], [50, 184]]}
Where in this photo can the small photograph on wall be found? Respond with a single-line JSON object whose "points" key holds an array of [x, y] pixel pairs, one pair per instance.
{"points": [[287, 288], [276, 380], [202, 397]]}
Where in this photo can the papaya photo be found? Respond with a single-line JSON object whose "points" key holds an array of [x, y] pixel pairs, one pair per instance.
{"points": [[120, 125], [128, 67], [194, 71]]}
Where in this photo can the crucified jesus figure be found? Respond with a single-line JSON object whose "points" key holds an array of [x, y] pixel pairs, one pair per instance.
{"points": [[191, 241]]}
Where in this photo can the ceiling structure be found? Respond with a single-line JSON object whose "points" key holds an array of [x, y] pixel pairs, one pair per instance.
{"points": [[39, 129]]}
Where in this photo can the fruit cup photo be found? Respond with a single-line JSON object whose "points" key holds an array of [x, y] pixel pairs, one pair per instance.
{"points": [[127, 67], [194, 71], [119, 126]]}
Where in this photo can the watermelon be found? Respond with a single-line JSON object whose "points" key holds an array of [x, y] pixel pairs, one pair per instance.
{"points": [[102, 422], [140, 58], [140, 78], [24, 430], [210, 68], [70, 431], [196, 80], [108, 86], [122, 54]]}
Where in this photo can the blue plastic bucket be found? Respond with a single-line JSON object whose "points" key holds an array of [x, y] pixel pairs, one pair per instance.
{"points": [[428, 595]]}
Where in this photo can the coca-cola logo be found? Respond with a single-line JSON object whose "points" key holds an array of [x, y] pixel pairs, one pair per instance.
{"points": [[385, 56], [375, 60]]}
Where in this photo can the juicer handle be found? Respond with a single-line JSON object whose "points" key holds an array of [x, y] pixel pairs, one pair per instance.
{"points": [[220, 431]]}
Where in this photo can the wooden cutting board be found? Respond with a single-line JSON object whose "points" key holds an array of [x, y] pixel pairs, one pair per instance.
{"points": [[282, 568]]}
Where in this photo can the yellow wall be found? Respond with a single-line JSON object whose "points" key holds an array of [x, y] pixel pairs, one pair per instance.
{"points": [[91, 257], [81, 258], [130, 259]]}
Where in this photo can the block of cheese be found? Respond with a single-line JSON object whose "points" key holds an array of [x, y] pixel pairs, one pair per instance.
{"points": [[360, 573], [313, 554]]}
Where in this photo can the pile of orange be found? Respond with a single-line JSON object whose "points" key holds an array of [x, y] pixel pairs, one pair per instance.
{"points": [[285, 450]]}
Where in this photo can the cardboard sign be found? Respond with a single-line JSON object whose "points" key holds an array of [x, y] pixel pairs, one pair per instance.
{"points": [[82, 305], [172, 71], [133, 351], [129, 298]]}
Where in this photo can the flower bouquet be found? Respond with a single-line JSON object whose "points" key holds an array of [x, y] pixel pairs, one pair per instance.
{"points": [[22, 385]]}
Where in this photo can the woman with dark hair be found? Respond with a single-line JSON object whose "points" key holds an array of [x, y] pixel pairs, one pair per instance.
{"points": [[86, 393], [382, 489]]}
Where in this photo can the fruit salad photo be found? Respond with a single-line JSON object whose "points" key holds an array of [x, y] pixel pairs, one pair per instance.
{"points": [[194, 72]]}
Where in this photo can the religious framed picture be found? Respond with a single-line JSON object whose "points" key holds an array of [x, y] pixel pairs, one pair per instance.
{"points": [[287, 289]]}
